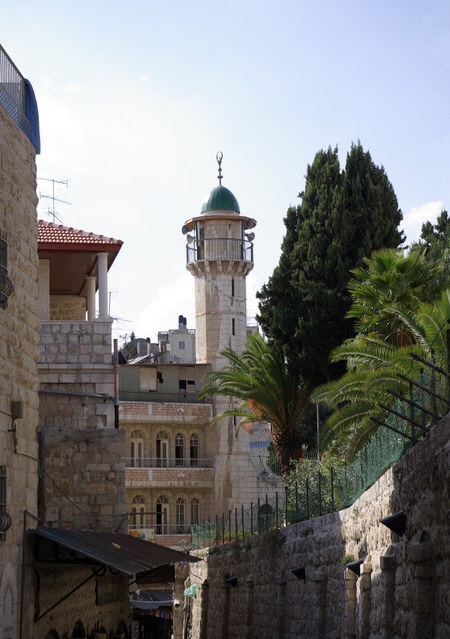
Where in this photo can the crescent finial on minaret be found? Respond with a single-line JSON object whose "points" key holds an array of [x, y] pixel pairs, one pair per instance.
{"points": [[219, 157]]}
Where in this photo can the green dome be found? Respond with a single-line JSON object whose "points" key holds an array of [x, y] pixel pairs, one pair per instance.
{"points": [[222, 199]]}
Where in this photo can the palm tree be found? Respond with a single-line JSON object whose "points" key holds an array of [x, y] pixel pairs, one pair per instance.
{"points": [[389, 281], [267, 390], [357, 396], [393, 321]]}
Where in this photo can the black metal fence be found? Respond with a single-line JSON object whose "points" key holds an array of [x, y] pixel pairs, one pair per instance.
{"points": [[323, 490]]}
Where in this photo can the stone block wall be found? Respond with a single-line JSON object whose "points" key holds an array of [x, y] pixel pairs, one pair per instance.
{"points": [[64, 342], [18, 355], [75, 365], [52, 583], [83, 479], [403, 587], [67, 308]]}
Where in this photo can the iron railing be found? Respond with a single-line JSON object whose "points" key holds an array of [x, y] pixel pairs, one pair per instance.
{"points": [[323, 490], [13, 93], [219, 249], [151, 530], [155, 396], [158, 462]]}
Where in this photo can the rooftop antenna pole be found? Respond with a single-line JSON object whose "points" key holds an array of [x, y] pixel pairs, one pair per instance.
{"points": [[219, 157], [52, 197]]}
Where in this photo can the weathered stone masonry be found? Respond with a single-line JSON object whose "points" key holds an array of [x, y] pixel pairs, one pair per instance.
{"points": [[403, 590]]}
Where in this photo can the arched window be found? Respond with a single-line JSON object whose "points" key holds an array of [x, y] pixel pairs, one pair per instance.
{"points": [[180, 515], [162, 449], [162, 515], [137, 449], [138, 512], [179, 449], [78, 630], [194, 449], [195, 511]]}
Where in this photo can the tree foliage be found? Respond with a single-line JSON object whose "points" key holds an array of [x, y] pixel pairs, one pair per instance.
{"points": [[395, 318], [267, 390], [343, 217], [435, 242]]}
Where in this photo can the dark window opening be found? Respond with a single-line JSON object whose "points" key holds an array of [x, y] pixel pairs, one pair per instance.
{"points": [[6, 286], [194, 449], [5, 519], [233, 327], [179, 449]]}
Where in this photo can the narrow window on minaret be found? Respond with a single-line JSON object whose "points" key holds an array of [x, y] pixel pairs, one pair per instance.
{"points": [[233, 328], [232, 287]]}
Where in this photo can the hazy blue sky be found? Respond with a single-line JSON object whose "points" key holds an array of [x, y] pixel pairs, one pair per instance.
{"points": [[136, 98]]}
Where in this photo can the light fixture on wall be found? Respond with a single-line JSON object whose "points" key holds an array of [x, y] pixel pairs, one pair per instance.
{"points": [[396, 522], [300, 573], [16, 413], [355, 566], [231, 581]]}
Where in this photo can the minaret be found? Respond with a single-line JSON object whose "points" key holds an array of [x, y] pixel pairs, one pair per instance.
{"points": [[219, 254]]}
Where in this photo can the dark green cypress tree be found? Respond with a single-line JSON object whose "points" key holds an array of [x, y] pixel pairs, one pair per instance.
{"points": [[343, 217], [435, 241]]}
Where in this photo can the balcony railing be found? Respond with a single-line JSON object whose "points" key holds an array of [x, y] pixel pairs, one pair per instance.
{"points": [[149, 531], [157, 462], [229, 248], [154, 396], [16, 98]]}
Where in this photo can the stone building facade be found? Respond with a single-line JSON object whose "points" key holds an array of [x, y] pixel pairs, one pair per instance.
{"points": [[209, 469], [18, 337]]}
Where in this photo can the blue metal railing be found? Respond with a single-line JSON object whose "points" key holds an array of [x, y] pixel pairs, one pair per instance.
{"points": [[13, 92]]}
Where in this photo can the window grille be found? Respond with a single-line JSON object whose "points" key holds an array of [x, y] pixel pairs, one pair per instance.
{"points": [[6, 286], [5, 519]]}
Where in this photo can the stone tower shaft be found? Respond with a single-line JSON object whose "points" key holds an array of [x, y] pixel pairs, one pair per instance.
{"points": [[219, 254]]}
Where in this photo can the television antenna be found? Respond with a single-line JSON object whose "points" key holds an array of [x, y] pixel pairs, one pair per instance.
{"points": [[52, 197]]}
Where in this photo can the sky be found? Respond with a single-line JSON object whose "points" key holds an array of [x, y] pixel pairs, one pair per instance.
{"points": [[136, 98]]}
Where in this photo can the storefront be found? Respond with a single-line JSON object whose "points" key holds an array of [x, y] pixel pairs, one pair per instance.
{"points": [[151, 614]]}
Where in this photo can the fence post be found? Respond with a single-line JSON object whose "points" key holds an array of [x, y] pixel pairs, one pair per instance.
{"points": [[257, 515], [332, 488], [307, 497], [320, 492], [276, 509], [286, 496]]}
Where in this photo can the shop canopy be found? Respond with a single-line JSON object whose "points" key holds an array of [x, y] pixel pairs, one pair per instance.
{"points": [[151, 600], [125, 553]]}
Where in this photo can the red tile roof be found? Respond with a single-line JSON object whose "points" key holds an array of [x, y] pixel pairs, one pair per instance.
{"points": [[51, 233]]}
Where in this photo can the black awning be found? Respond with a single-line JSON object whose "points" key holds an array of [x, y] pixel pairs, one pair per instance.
{"points": [[125, 553], [151, 599]]}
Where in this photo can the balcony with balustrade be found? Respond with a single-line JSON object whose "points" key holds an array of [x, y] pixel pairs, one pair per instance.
{"points": [[160, 472]]}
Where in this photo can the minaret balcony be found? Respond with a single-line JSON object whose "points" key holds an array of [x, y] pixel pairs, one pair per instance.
{"points": [[219, 249]]}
